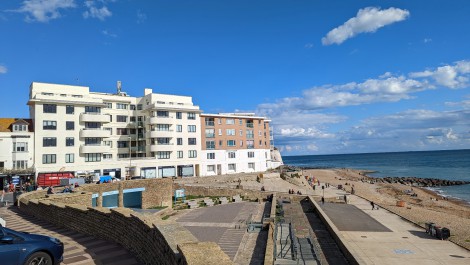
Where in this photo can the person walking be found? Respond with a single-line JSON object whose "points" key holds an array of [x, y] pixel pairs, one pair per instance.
{"points": [[373, 205], [322, 200]]}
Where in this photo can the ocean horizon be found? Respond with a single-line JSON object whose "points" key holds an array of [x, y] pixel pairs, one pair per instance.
{"points": [[441, 164]]}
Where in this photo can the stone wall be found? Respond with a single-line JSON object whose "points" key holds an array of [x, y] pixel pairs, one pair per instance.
{"points": [[133, 231], [211, 191]]}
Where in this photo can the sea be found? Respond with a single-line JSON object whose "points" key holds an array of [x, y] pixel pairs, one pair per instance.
{"points": [[446, 164]]}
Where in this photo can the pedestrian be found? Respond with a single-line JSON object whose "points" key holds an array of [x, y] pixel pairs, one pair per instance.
{"points": [[322, 200], [373, 205], [50, 190]]}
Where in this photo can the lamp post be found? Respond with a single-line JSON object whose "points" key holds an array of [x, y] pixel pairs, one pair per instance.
{"points": [[130, 156]]}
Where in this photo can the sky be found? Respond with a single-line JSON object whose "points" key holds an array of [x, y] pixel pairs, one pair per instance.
{"points": [[334, 77]]}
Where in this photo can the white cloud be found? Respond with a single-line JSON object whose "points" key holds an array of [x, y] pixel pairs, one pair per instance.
{"points": [[3, 69], [95, 12], [450, 76], [303, 120], [368, 19], [109, 34], [141, 17], [426, 40], [44, 10]]}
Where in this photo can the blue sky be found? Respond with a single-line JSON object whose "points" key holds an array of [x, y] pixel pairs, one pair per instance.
{"points": [[334, 76]]}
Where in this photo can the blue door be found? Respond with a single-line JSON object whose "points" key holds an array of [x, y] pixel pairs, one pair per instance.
{"points": [[110, 199], [132, 198]]}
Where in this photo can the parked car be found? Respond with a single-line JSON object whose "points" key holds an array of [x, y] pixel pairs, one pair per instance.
{"points": [[21, 248]]}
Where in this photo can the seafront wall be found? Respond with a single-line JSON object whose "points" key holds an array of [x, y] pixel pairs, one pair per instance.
{"points": [[141, 235], [134, 232], [213, 191]]}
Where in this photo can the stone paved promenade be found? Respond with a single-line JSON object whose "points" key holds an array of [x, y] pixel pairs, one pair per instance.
{"points": [[79, 248], [387, 238]]}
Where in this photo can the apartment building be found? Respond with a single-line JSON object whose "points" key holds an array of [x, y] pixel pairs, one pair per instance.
{"points": [[17, 148], [235, 143], [156, 135]]}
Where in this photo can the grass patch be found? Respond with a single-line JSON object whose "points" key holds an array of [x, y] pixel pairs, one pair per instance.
{"points": [[158, 207]]}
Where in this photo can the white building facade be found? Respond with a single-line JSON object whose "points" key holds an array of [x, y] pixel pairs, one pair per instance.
{"points": [[156, 135]]}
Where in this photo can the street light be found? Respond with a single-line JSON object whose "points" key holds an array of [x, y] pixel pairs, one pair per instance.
{"points": [[130, 155]]}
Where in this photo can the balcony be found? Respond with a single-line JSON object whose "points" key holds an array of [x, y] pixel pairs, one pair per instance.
{"points": [[209, 123], [162, 147], [94, 117], [249, 125], [210, 135], [94, 132], [94, 149], [160, 119], [155, 134], [138, 149]]}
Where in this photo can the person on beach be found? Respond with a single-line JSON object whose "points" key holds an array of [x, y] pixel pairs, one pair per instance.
{"points": [[373, 205], [322, 200]]}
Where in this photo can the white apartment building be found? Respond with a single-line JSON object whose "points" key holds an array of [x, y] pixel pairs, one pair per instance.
{"points": [[156, 135], [16, 148], [235, 143]]}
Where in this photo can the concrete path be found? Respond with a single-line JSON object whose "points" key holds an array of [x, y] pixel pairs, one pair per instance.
{"points": [[78, 248], [405, 244]]}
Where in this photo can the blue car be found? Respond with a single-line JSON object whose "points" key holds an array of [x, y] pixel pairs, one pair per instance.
{"points": [[21, 248]]}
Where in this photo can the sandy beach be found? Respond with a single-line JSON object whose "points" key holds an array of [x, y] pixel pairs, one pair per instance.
{"points": [[426, 207]]}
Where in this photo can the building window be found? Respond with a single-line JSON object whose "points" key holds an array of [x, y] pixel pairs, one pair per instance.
{"points": [[69, 158], [250, 134], [251, 154], [179, 141], [179, 128], [163, 127], [133, 107], [139, 106], [210, 168], [251, 166], [191, 128], [192, 154], [122, 131], [163, 114], [163, 154], [250, 144], [109, 129], [49, 125], [180, 154], [229, 121], [220, 131], [69, 141], [49, 108], [230, 131], [163, 141], [123, 155], [69, 109], [121, 118], [107, 156], [231, 155], [219, 120], [191, 141], [108, 143], [209, 121], [93, 157], [240, 121], [92, 141], [210, 155], [232, 167], [221, 143], [122, 144], [210, 145], [49, 159], [121, 106], [92, 125], [210, 133], [20, 147], [49, 141], [259, 133], [19, 128], [191, 116], [109, 105], [20, 164], [179, 115], [69, 125], [241, 132], [92, 109], [231, 143]]}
